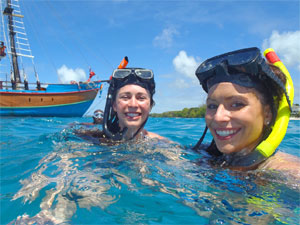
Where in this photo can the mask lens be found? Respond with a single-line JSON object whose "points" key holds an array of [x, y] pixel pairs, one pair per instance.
{"points": [[235, 58], [98, 115], [144, 74], [119, 74], [242, 57], [240, 79]]}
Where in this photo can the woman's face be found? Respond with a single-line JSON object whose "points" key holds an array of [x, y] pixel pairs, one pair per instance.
{"points": [[133, 106], [235, 116]]}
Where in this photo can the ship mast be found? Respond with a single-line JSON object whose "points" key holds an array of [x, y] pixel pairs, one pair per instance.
{"points": [[8, 11]]}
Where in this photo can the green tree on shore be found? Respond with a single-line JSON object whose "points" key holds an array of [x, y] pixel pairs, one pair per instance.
{"points": [[195, 112]]}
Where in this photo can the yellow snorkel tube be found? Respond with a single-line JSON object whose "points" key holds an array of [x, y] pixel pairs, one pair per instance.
{"points": [[268, 146]]}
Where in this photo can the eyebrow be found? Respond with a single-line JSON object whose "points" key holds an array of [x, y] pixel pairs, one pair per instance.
{"points": [[227, 98], [139, 93]]}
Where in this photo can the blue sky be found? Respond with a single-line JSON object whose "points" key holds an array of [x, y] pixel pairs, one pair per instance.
{"points": [[170, 37]]}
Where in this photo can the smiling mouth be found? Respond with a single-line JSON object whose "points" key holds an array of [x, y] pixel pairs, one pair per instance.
{"points": [[226, 133], [132, 115]]}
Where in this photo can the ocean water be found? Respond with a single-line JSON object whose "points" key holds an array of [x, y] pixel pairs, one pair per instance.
{"points": [[51, 176]]}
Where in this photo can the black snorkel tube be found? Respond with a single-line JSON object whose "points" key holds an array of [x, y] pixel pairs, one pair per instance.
{"points": [[110, 119]]}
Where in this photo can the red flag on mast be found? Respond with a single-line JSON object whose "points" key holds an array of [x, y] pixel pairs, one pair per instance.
{"points": [[92, 73]]}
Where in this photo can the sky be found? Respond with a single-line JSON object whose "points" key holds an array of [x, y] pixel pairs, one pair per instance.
{"points": [[170, 37]]}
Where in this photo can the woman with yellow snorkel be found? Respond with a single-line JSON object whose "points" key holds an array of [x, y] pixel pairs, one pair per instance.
{"points": [[248, 108]]}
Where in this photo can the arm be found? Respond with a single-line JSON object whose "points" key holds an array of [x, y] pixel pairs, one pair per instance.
{"points": [[284, 162], [157, 136], [153, 135]]}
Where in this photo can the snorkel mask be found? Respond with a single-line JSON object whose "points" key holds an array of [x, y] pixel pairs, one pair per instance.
{"points": [[120, 78], [98, 114], [247, 68]]}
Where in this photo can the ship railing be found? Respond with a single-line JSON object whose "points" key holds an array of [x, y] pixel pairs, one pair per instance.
{"points": [[7, 85]]}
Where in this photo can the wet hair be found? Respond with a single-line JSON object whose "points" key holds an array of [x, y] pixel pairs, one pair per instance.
{"points": [[270, 92]]}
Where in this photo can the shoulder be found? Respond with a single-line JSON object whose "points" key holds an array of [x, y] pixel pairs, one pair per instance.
{"points": [[283, 162], [87, 124], [89, 133], [95, 136], [152, 135]]}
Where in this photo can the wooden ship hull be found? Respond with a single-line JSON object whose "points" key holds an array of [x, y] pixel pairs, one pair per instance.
{"points": [[48, 102]]}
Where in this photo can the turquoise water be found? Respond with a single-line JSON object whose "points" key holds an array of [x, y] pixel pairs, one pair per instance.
{"points": [[51, 176]]}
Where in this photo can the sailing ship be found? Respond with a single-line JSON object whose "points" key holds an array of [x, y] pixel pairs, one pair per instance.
{"points": [[21, 98]]}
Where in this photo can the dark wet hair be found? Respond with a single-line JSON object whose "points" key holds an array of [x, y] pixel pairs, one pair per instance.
{"points": [[271, 93]]}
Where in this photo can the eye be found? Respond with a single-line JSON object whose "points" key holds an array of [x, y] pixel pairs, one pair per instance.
{"points": [[238, 105], [124, 97], [142, 97], [212, 106]]}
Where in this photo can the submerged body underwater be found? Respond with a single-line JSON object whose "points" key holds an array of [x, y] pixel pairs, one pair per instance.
{"points": [[51, 176]]}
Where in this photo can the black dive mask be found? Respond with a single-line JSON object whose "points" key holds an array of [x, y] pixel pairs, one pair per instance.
{"points": [[244, 67]]}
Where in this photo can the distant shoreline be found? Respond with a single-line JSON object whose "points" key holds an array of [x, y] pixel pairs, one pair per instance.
{"points": [[294, 118]]}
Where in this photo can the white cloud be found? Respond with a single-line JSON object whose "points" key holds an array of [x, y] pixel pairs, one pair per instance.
{"points": [[65, 74], [185, 65], [286, 45], [165, 39], [180, 84]]}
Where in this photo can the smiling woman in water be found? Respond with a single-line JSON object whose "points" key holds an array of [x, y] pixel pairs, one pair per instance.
{"points": [[128, 105], [133, 105], [248, 106]]}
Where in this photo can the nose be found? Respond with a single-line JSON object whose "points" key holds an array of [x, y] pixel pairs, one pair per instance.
{"points": [[132, 102], [222, 114]]}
